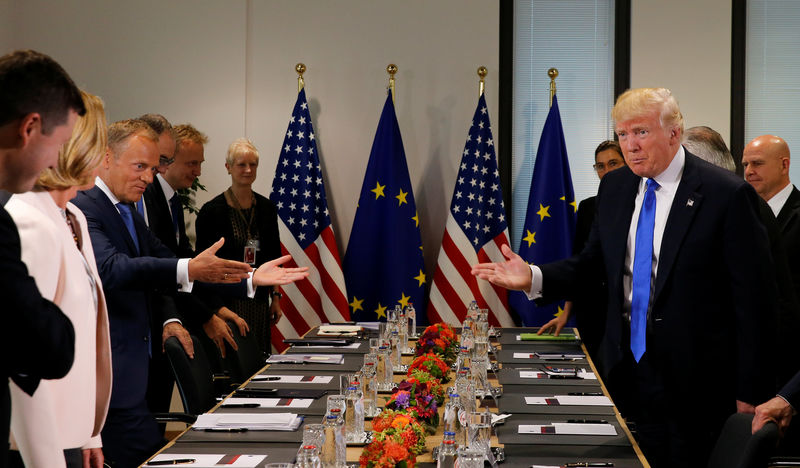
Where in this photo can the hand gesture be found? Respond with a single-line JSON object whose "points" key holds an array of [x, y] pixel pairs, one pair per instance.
{"points": [[514, 273], [219, 332], [227, 314], [557, 323], [206, 266], [272, 274]]}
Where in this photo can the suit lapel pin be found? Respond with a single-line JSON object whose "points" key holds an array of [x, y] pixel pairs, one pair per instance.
{"points": [[690, 202]]}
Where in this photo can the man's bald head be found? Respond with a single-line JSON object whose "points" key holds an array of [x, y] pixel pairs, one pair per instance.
{"points": [[766, 165]]}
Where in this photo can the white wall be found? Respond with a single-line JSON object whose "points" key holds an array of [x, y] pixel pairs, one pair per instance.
{"points": [[228, 68], [685, 45]]}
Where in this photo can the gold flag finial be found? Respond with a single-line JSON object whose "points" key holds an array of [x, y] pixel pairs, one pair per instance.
{"points": [[553, 74], [482, 72], [391, 69], [300, 68]]}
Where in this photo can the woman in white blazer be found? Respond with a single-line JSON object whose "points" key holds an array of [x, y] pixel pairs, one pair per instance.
{"points": [[59, 426]]}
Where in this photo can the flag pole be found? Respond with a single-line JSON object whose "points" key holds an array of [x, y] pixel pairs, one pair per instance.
{"points": [[300, 68], [391, 69], [553, 74], [482, 72]]}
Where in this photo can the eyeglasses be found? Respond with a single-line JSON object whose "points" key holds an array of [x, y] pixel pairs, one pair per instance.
{"points": [[165, 161], [612, 164]]}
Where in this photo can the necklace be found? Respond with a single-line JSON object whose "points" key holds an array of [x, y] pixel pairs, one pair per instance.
{"points": [[238, 207]]}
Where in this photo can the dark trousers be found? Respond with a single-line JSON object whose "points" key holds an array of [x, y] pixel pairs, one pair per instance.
{"points": [[668, 431], [130, 436], [160, 382]]}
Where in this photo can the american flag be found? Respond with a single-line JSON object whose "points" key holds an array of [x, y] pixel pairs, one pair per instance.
{"points": [[476, 228], [306, 233]]}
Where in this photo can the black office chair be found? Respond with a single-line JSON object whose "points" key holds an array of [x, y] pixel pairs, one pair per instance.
{"points": [[245, 362], [194, 376], [738, 447]]}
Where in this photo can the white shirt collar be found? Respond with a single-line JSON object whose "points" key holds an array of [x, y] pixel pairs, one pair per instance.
{"points": [[102, 186], [779, 199], [168, 190], [671, 176]]}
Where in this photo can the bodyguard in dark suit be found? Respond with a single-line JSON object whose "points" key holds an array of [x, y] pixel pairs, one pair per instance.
{"points": [[39, 105], [691, 291], [134, 265]]}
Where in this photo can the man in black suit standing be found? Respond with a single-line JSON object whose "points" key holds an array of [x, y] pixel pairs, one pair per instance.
{"points": [[766, 167], [39, 105], [691, 290]]}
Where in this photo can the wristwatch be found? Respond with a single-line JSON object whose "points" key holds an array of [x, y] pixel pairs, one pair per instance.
{"points": [[276, 294]]}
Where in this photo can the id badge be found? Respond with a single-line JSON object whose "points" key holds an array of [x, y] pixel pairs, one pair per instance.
{"points": [[250, 249]]}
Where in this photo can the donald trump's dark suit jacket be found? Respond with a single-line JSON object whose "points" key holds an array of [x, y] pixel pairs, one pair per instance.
{"points": [[714, 294]]}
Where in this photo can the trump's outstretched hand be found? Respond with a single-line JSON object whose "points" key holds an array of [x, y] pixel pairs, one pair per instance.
{"points": [[514, 273]]}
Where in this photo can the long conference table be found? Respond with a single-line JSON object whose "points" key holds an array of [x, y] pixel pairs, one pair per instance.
{"points": [[520, 374]]}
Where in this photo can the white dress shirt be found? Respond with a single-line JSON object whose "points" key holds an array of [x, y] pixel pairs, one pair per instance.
{"points": [[779, 199]]}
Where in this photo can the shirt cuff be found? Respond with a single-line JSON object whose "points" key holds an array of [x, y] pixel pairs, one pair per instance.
{"points": [[182, 277], [251, 290], [170, 321], [536, 283]]}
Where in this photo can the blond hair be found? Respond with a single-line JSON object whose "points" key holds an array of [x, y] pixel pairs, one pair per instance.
{"points": [[121, 131], [635, 103], [239, 147], [79, 156], [187, 132]]}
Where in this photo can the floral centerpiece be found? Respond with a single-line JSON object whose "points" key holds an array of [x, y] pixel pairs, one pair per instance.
{"points": [[391, 422], [422, 379], [433, 365], [386, 453], [420, 399], [440, 339]]}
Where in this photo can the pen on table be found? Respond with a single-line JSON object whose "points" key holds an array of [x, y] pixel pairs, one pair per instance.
{"points": [[225, 429], [264, 379], [598, 464], [587, 421], [241, 405], [177, 461], [585, 393]]}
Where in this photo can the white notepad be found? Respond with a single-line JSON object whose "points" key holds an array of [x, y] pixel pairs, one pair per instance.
{"points": [[568, 429]]}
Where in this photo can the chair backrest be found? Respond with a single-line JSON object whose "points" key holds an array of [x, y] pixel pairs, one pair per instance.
{"points": [[248, 360], [738, 447], [193, 376]]}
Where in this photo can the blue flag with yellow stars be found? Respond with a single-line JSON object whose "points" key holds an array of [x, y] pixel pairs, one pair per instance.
{"points": [[383, 265], [550, 219]]}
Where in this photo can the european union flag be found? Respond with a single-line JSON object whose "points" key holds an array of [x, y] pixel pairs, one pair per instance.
{"points": [[550, 219], [383, 265]]}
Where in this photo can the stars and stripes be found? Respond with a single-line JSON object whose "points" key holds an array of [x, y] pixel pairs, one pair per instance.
{"points": [[475, 229], [306, 233]]}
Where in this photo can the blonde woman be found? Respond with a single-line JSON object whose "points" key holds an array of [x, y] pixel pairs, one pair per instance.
{"points": [[59, 426], [249, 223]]}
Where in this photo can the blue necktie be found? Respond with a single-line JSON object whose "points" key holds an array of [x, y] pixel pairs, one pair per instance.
{"points": [[140, 206], [127, 218], [177, 212], [642, 270]]}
